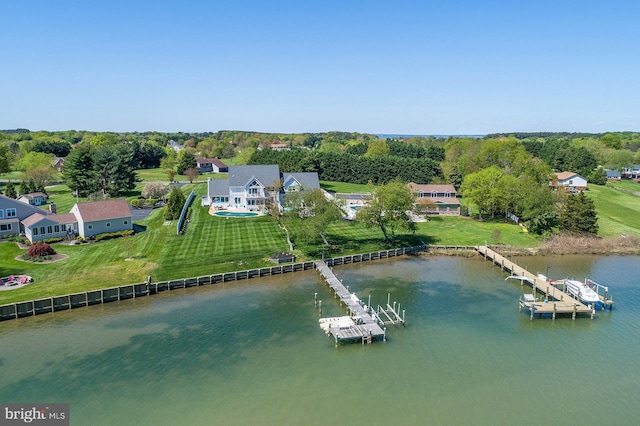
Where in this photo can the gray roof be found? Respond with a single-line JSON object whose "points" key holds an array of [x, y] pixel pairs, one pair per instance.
{"points": [[218, 188], [308, 180], [265, 174], [613, 174]]}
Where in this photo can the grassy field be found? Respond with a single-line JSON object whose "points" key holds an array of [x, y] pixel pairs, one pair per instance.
{"points": [[618, 211], [625, 185], [343, 187], [160, 175]]}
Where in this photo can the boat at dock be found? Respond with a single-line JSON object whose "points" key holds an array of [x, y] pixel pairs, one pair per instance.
{"points": [[579, 290]]}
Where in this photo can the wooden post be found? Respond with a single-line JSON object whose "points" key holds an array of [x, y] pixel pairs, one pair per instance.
{"points": [[553, 317], [573, 315], [532, 307]]}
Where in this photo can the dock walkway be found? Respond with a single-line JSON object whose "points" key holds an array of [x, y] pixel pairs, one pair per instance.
{"points": [[558, 302], [360, 325]]}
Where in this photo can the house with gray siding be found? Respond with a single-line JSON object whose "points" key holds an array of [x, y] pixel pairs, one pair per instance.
{"points": [[12, 212], [35, 198], [99, 217], [40, 226]]}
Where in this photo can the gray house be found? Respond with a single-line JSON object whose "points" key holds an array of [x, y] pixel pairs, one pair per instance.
{"points": [[99, 217], [35, 198], [39, 227], [12, 212]]}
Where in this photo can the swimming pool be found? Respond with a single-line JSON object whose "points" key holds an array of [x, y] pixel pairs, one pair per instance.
{"points": [[236, 214]]}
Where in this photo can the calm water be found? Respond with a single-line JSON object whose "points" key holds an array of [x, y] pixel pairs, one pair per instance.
{"points": [[252, 353]]}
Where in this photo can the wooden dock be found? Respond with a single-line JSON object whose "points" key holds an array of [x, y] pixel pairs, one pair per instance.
{"points": [[556, 301], [360, 325]]}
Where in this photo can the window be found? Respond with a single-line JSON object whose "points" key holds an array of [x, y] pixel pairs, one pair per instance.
{"points": [[126, 222], [57, 228], [5, 227], [1, 214], [42, 230], [108, 224], [90, 227], [35, 231], [447, 194], [11, 212], [434, 194], [49, 229]]}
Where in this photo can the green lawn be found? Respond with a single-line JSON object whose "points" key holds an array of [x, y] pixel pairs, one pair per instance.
{"points": [[625, 185], [160, 175], [348, 237], [14, 176], [618, 211], [211, 245], [344, 187]]}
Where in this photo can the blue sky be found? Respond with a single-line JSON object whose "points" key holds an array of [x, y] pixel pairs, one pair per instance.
{"points": [[412, 67]]}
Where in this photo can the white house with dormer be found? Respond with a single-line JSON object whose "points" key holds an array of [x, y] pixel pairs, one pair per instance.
{"points": [[253, 187]]}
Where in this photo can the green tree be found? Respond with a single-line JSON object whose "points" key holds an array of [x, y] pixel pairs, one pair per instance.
{"points": [[39, 176], [26, 187], [245, 155], [5, 159], [10, 190], [78, 170], [611, 140], [483, 189], [114, 169], [377, 148], [174, 204], [34, 159], [598, 176], [314, 209], [579, 216], [542, 223], [388, 209], [186, 160]]}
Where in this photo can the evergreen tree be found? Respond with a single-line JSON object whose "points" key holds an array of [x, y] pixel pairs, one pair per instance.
{"points": [[174, 204], [186, 160], [26, 187], [10, 190], [79, 172], [598, 177], [579, 215]]}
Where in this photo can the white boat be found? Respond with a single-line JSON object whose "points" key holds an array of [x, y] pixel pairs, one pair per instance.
{"points": [[582, 291]]}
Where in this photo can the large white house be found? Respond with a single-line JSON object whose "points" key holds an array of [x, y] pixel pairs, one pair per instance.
{"points": [[254, 187]]}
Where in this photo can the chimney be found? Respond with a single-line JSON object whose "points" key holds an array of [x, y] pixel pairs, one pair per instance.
{"points": [[52, 208]]}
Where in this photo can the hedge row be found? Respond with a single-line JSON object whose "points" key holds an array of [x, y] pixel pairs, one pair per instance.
{"points": [[110, 235]]}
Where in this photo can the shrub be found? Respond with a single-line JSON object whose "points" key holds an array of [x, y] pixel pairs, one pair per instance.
{"points": [[40, 249], [79, 239], [110, 235], [151, 202], [138, 203], [53, 240]]}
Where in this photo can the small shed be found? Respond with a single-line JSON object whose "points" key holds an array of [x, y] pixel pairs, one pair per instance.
{"points": [[282, 258]]}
